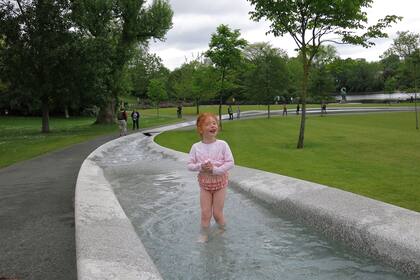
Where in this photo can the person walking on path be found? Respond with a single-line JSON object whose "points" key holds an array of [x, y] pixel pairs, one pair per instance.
{"points": [[179, 112], [284, 109], [238, 113], [230, 112], [135, 116], [122, 122], [323, 108], [297, 109], [212, 158]]}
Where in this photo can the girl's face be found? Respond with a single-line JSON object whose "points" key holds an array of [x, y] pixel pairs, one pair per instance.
{"points": [[209, 129]]}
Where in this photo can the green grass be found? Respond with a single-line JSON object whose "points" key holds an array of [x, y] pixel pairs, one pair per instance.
{"points": [[20, 137], [375, 155]]}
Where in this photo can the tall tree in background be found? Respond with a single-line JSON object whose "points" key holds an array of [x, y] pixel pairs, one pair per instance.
{"points": [[413, 62], [225, 52], [157, 92], [204, 83], [38, 38], [310, 22], [143, 68], [321, 81], [268, 76], [404, 45], [115, 28]]}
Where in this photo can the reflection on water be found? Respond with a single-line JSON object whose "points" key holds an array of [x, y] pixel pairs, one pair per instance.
{"points": [[162, 200]]}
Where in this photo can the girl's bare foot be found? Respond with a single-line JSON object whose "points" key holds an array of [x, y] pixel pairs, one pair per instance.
{"points": [[221, 229], [204, 235]]}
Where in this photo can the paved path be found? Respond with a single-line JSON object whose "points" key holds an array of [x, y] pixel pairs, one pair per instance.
{"points": [[37, 215]]}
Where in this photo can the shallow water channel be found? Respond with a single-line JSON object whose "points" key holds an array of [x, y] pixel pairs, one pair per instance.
{"points": [[161, 198]]}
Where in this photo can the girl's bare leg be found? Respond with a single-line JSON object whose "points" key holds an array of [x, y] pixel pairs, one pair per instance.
{"points": [[218, 205], [206, 200]]}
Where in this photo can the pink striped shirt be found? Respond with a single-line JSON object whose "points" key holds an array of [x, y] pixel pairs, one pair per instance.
{"points": [[219, 154]]}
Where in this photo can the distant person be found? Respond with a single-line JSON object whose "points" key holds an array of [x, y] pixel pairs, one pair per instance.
{"points": [[179, 112], [230, 112], [212, 159], [122, 121], [238, 113], [323, 109], [135, 116], [284, 109], [411, 99], [297, 109]]}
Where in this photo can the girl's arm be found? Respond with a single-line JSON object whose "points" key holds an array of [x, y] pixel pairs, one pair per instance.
{"points": [[192, 164], [227, 164]]}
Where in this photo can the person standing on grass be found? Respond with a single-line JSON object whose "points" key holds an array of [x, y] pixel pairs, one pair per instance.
{"points": [[122, 121], [212, 158], [284, 109], [135, 116]]}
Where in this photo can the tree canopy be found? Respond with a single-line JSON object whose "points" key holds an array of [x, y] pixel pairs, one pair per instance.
{"points": [[312, 23], [225, 52]]}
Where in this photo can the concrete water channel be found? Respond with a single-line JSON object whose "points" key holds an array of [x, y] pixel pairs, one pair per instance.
{"points": [[137, 217]]}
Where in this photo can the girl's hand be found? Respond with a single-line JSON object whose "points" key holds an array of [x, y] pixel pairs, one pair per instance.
{"points": [[207, 167]]}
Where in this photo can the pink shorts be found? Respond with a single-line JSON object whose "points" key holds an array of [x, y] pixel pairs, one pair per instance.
{"points": [[211, 182]]}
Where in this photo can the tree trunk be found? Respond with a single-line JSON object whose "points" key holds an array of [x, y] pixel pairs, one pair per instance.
{"points": [[220, 101], [269, 112], [300, 143], [45, 117], [106, 113], [415, 109], [197, 106]]}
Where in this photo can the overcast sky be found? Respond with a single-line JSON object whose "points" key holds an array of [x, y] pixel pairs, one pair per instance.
{"points": [[195, 20]]}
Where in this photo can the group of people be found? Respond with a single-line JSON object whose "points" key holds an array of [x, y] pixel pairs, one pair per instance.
{"points": [[123, 118]]}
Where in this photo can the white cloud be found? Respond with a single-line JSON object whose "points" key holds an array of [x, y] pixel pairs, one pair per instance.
{"points": [[195, 21]]}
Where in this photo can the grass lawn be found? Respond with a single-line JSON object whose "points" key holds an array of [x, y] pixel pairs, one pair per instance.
{"points": [[375, 155], [20, 137]]}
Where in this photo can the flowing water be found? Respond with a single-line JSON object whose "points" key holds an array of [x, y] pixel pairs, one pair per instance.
{"points": [[161, 198]]}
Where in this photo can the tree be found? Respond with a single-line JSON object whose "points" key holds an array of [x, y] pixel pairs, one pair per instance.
{"points": [[390, 65], [38, 41], [404, 45], [311, 24], [268, 76], [181, 82], [413, 60], [116, 28], [142, 68], [157, 92], [225, 52], [204, 83]]}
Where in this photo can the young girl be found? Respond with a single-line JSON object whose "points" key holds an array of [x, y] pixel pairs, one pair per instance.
{"points": [[212, 159]]}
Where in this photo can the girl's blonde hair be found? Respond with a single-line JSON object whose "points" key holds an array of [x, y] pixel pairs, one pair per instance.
{"points": [[202, 118]]}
